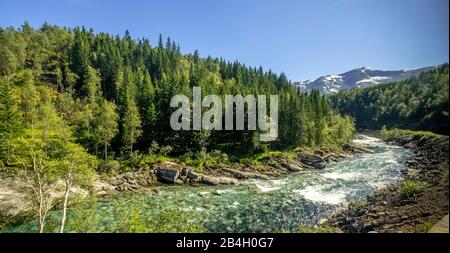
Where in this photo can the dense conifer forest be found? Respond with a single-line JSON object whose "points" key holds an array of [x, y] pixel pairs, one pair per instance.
{"points": [[109, 96]]}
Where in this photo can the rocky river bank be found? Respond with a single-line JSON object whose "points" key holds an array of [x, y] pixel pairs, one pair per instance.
{"points": [[387, 210], [225, 174], [14, 203]]}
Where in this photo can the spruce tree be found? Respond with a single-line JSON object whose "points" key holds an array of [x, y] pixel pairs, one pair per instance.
{"points": [[10, 116], [106, 125]]}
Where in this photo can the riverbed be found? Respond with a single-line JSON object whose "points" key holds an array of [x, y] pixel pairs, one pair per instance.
{"points": [[299, 199]]}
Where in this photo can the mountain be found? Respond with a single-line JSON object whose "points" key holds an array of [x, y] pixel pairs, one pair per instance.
{"points": [[360, 77]]}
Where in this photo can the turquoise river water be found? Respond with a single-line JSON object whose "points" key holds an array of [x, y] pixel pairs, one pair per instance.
{"points": [[299, 199]]}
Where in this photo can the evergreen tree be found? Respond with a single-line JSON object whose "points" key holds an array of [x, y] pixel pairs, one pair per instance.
{"points": [[105, 125], [131, 124], [10, 116]]}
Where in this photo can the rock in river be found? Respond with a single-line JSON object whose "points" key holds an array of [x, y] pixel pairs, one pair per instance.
{"points": [[168, 172], [315, 161]]}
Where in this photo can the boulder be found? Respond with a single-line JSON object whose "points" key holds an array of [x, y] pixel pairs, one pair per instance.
{"points": [[13, 203], [167, 175], [168, 172], [218, 180], [193, 176], [101, 193], [227, 180], [245, 175], [356, 149], [100, 187], [313, 160], [332, 157], [292, 166], [210, 180]]}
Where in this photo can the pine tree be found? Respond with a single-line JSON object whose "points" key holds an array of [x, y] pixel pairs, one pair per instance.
{"points": [[10, 116], [131, 124], [29, 103], [147, 107], [106, 125], [160, 42]]}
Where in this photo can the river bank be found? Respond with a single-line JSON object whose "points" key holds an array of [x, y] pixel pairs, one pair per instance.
{"points": [[15, 206], [286, 203], [392, 209]]}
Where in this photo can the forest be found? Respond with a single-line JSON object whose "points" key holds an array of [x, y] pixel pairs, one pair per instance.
{"points": [[110, 95], [417, 104], [75, 104]]}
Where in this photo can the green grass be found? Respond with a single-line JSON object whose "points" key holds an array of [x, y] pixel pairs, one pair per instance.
{"points": [[404, 133], [427, 226], [410, 189], [258, 158]]}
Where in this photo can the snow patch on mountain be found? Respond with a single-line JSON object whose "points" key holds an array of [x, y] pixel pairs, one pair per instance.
{"points": [[360, 77]]}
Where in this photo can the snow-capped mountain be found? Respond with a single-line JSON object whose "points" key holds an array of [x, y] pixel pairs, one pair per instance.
{"points": [[360, 77]]}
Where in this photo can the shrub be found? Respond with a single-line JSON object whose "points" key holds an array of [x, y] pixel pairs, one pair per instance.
{"points": [[111, 166], [427, 226], [164, 151], [203, 158], [404, 134], [410, 189]]}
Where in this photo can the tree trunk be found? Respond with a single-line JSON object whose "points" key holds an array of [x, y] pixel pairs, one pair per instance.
{"points": [[66, 198], [41, 220], [131, 143], [41, 207], [106, 152]]}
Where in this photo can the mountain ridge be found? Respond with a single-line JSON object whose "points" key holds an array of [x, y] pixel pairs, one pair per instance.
{"points": [[359, 77]]}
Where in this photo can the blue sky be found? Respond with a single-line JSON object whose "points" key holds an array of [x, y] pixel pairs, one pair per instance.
{"points": [[304, 39]]}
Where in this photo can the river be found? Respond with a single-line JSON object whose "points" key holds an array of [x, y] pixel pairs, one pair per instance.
{"points": [[299, 199]]}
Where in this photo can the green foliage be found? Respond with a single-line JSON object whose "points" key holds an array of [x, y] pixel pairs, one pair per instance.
{"points": [[156, 154], [410, 189], [263, 157], [113, 93], [405, 135], [10, 116], [105, 125], [110, 167], [204, 158], [82, 218], [427, 226], [418, 103]]}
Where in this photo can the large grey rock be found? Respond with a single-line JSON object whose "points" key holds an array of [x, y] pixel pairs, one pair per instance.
{"points": [[245, 175], [193, 176], [292, 166], [101, 187], [168, 172], [210, 180], [218, 180], [227, 180], [313, 160]]}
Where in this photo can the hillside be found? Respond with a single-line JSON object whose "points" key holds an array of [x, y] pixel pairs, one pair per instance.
{"points": [[417, 103]]}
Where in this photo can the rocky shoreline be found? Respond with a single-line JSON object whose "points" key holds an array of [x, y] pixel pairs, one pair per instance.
{"points": [[225, 174], [386, 211]]}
